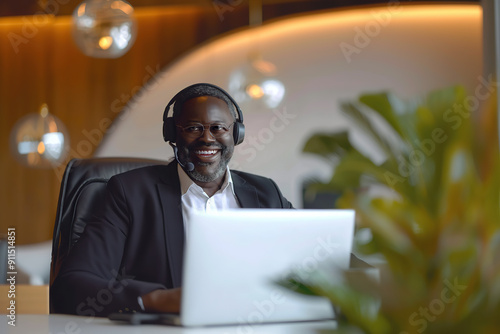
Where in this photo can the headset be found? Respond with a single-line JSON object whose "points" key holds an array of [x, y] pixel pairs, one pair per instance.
{"points": [[169, 128]]}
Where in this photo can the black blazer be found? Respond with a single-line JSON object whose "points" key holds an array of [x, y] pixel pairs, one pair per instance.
{"points": [[135, 244]]}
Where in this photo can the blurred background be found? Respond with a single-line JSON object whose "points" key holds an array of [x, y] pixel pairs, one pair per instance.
{"points": [[288, 63]]}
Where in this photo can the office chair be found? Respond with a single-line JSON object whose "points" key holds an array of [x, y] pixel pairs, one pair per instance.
{"points": [[81, 193]]}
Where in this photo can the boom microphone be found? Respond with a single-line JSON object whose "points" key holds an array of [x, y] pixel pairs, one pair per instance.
{"points": [[189, 167]]}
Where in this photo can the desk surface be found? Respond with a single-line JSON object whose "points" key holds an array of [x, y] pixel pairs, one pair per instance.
{"points": [[67, 324]]}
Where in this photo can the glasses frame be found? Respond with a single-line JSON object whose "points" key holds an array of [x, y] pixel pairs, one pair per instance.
{"points": [[205, 127]]}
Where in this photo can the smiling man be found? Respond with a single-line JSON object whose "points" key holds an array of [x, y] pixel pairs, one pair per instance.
{"points": [[129, 259]]}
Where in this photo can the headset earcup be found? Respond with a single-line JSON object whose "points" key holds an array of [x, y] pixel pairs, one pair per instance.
{"points": [[238, 133], [169, 129]]}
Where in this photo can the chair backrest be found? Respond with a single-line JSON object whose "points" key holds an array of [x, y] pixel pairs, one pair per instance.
{"points": [[81, 194]]}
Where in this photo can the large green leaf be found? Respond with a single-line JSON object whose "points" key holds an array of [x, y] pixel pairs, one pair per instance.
{"points": [[329, 145], [383, 105], [352, 168], [376, 134]]}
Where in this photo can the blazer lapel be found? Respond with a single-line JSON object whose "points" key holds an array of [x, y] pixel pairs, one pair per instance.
{"points": [[170, 199], [246, 194]]}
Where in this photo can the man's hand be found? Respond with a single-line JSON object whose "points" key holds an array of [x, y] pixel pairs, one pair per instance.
{"points": [[163, 301]]}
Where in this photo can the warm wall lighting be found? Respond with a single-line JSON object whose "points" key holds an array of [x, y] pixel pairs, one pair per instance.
{"points": [[104, 28], [39, 140]]}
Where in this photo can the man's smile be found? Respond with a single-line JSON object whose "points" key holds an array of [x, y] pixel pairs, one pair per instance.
{"points": [[206, 155]]}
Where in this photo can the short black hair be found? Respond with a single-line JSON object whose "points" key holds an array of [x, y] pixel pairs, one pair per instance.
{"points": [[198, 90]]}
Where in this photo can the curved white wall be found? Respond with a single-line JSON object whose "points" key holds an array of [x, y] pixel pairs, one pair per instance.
{"points": [[322, 59]]}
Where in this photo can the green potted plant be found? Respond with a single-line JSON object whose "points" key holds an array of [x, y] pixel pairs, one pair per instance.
{"points": [[431, 206]]}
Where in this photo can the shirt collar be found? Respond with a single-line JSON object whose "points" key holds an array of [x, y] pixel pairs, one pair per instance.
{"points": [[187, 183]]}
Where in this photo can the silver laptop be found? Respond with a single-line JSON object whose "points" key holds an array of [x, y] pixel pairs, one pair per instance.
{"points": [[234, 258]]}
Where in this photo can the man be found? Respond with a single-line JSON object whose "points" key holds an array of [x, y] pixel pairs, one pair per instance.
{"points": [[130, 258]]}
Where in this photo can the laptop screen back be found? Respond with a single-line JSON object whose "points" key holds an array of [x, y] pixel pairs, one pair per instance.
{"points": [[233, 259]]}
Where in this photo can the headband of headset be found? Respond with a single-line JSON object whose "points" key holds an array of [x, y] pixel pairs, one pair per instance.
{"points": [[169, 128]]}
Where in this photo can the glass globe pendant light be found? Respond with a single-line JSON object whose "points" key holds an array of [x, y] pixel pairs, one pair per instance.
{"points": [[104, 28], [39, 140], [254, 84]]}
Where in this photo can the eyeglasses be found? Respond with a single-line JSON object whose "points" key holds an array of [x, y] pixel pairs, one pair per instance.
{"points": [[196, 130]]}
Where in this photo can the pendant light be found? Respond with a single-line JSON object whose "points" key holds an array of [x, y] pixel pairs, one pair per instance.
{"points": [[254, 84], [39, 140], [104, 28]]}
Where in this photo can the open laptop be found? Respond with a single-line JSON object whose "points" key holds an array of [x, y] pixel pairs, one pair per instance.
{"points": [[233, 259]]}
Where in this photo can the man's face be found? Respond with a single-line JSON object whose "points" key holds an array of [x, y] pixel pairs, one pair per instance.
{"points": [[209, 155]]}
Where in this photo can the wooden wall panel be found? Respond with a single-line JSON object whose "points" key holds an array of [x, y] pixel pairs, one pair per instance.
{"points": [[85, 93]]}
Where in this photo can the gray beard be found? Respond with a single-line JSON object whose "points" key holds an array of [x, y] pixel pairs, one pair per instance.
{"points": [[221, 169], [226, 155]]}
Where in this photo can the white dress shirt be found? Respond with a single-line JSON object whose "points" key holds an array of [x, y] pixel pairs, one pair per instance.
{"points": [[194, 197]]}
